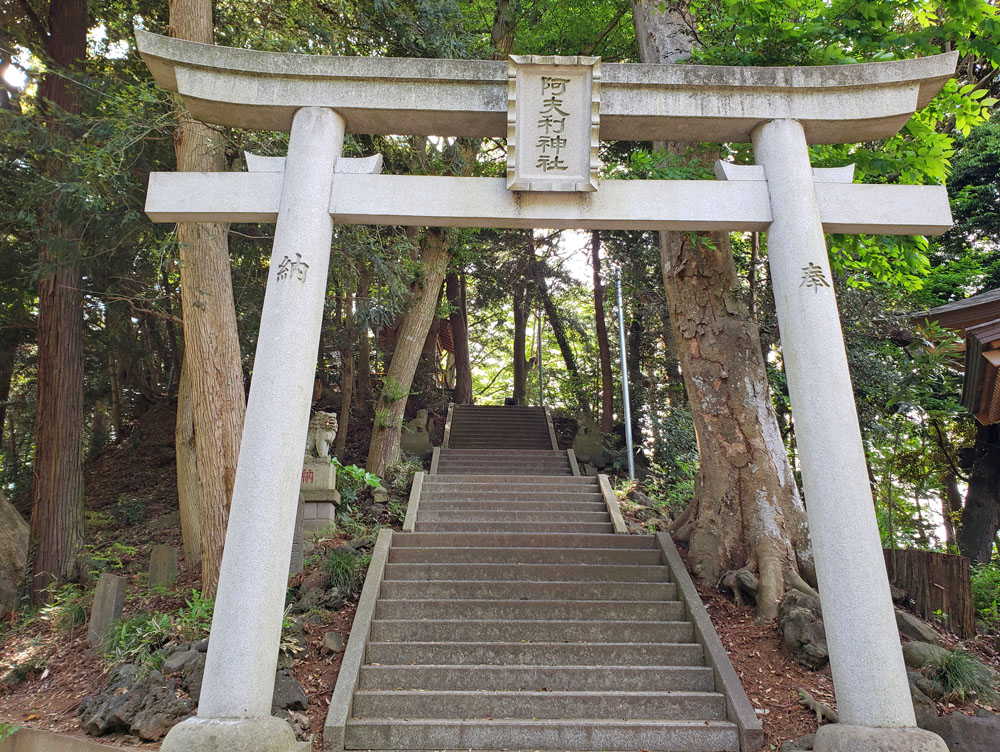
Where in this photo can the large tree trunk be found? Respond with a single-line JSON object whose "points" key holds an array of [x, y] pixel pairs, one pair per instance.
{"points": [[384, 448], [981, 516], [211, 343], [187, 471], [747, 508], [603, 346], [14, 532], [57, 502], [460, 338]]}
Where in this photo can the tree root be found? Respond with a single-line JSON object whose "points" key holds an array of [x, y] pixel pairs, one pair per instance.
{"points": [[741, 582], [794, 580], [822, 711]]}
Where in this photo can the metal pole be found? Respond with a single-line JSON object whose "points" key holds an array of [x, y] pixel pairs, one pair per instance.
{"points": [[541, 383], [628, 407]]}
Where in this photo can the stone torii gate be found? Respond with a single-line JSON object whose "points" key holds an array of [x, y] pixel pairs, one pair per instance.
{"points": [[552, 110]]}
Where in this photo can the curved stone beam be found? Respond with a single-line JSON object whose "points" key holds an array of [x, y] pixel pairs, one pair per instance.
{"points": [[639, 102]]}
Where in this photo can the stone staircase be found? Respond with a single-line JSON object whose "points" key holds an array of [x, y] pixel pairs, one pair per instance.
{"points": [[513, 617]]}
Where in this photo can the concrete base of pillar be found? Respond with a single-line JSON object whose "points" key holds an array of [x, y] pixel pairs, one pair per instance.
{"points": [[231, 735], [843, 737]]}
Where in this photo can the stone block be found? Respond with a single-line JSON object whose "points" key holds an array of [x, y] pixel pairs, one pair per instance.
{"points": [[319, 480], [297, 562], [317, 515], [109, 600], [163, 566]]}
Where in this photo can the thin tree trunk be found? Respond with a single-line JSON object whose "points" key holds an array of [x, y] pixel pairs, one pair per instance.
{"points": [[460, 338], [603, 346], [747, 507], [951, 507], [187, 471], [384, 448], [981, 516], [7, 358], [57, 501], [364, 365], [520, 303], [346, 377], [552, 313], [14, 532], [211, 343]]}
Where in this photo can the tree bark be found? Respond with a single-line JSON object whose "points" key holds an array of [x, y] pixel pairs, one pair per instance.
{"points": [[603, 346], [7, 358], [347, 378], [57, 501], [951, 507], [746, 508], [981, 515], [384, 448], [460, 338], [364, 365], [211, 343], [14, 532], [520, 303], [187, 471]]}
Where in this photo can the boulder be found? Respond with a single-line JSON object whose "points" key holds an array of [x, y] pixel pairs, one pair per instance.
{"points": [[930, 687], [192, 674], [918, 654], [802, 631], [333, 641], [802, 744], [923, 706], [175, 662], [288, 693], [964, 733], [145, 707], [916, 628]]}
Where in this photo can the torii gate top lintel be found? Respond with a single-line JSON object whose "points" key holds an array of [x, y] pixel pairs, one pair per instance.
{"points": [[639, 102]]}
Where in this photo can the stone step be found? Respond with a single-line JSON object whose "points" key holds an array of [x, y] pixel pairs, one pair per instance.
{"points": [[512, 506], [523, 734], [505, 453], [479, 572], [529, 630], [511, 515], [505, 481], [526, 527], [511, 555], [542, 678], [512, 468], [522, 431], [546, 591], [538, 705], [487, 609], [487, 443], [536, 653], [525, 540], [475, 494]]}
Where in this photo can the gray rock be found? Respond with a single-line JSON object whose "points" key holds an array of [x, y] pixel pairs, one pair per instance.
{"points": [[166, 521], [963, 733], [201, 646], [918, 654], [288, 693], [162, 567], [147, 708], [923, 706], [930, 687], [640, 498], [897, 593], [802, 744], [178, 660], [333, 641], [802, 631], [916, 628], [192, 674]]}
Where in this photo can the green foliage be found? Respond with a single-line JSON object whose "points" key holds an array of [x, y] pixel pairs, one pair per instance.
{"points": [[346, 569], [129, 510], [194, 619], [17, 674], [986, 592], [393, 391], [964, 676], [67, 606], [138, 639], [108, 557], [7, 729]]}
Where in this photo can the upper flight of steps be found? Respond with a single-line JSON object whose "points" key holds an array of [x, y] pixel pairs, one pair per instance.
{"points": [[513, 618]]}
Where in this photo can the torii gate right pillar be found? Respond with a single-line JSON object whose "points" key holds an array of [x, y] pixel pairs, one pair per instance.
{"points": [[869, 676]]}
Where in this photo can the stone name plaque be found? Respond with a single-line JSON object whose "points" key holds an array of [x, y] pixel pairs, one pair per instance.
{"points": [[553, 117]]}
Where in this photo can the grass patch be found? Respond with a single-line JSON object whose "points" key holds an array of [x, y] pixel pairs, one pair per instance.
{"points": [[964, 676]]}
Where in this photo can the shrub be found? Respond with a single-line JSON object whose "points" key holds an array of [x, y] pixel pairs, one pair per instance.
{"points": [[138, 639], [346, 569], [986, 592], [963, 675], [67, 607], [129, 510]]}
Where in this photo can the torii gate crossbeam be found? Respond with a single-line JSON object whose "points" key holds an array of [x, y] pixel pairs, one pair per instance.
{"points": [[781, 110]]}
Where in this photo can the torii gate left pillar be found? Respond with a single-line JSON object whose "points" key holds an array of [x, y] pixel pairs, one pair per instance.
{"points": [[234, 711]]}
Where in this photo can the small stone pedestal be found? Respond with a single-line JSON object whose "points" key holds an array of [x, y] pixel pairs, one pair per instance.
{"points": [[320, 494], [843, 737]]}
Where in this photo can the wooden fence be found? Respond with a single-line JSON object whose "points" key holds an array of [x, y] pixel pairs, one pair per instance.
{"points": [[935, 585]]}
